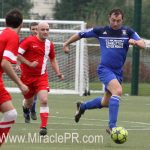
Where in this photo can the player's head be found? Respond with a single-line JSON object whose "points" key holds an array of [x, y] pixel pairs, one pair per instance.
{"points": [[33, 28], [14, 18], [116, 18], [43, 30]]}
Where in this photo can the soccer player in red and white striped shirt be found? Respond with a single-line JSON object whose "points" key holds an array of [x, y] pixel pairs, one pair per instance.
{"points": [[34, 53], [32, 112], [9, 43]]}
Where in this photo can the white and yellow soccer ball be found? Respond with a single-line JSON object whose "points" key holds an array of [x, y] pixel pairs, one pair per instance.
{"points": [[119, 135]]}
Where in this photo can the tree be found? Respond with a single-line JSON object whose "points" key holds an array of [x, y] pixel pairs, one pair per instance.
{"points": [[64, 10], [23, 5], [145, 30], [95, 12], [91, 11], [69, 9]]}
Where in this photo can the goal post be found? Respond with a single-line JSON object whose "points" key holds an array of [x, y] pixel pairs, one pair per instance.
{"points": [[79, 66], [74, 65]]}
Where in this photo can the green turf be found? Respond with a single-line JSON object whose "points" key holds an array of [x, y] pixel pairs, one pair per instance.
{"points": [[143, 88], [134, 115]]}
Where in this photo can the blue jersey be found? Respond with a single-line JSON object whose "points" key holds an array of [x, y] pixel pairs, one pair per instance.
{"points": [[113, 44]]}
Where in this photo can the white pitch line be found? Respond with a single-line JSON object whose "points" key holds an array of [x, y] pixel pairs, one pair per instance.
{"points": [[135, 128], [147, 104], [75, 129], [70, 124], [69, 118], [82, 118], [53, 129], [143, 123], [72, 118], [146, 129]]}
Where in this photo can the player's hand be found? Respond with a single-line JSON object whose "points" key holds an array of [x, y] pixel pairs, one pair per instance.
{"points": [[24, 89], [132, 42], [18, 68], [33, 64], [66, 48], [61, 76]]}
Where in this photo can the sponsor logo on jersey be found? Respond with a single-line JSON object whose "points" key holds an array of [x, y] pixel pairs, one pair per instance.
{"points": [[35, 46], [114, 43]]}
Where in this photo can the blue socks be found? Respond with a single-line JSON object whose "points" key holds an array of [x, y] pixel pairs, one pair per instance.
{"points": [[113, 110], [92, 104], [34, 104]]}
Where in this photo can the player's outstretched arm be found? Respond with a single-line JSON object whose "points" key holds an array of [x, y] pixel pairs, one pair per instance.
{"points": [[72, 39], [140, 43], [8, 69], [55, 67]]}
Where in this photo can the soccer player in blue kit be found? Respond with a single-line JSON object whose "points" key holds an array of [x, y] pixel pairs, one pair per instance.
{"points": [[114, 41]]}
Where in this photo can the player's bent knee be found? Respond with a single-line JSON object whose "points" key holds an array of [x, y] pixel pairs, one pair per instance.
{"points": [[44, 101], [13, 114], [118, 92], [105, 103], [10, 115]]}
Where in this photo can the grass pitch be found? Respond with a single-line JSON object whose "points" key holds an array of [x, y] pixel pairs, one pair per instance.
{"points": [[89, 133]]}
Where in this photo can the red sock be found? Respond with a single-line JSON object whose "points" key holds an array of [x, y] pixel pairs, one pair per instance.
{"points": [[44, 112], [3, 134], [44, 119], [6, 122], [4, 129]]}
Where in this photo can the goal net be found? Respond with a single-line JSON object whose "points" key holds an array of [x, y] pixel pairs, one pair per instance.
{"points": [[79, 66], [74, 65], [94, 53]]}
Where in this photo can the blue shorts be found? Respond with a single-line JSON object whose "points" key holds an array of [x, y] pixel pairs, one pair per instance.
{"points": [[106, 75]]}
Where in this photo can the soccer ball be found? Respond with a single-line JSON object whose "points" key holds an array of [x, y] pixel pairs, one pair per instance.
{"points": [[119, 135]]}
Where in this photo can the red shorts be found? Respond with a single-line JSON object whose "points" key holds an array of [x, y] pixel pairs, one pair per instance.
{"points": [[4, 95], [35, 84]]}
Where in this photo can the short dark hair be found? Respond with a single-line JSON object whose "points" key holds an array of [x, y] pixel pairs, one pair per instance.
{"points": [[33, 24], [14, 18], [116, 12]]}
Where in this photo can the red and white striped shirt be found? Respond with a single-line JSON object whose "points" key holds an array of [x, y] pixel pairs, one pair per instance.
{"points": [[9, 43], [33, 49]]}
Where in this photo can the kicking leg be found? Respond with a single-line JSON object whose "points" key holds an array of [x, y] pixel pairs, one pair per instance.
{"points": [[91, 104]]}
